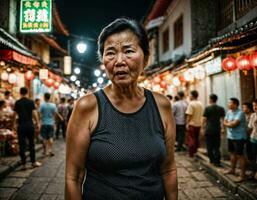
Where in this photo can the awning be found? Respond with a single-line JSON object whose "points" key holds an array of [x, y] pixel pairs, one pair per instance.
{"points": [[11, 42], [15, 56]]}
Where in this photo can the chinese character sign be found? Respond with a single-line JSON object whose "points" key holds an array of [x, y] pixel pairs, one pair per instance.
{"points": [[36, 16]]}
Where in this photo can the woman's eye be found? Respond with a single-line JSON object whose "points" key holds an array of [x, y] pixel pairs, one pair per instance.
{"points": [[110, 53], [129, 51]]}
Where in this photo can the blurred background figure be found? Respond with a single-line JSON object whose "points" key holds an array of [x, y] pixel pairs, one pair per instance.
{"points": [[61, 124], [213, 117], [70, 108], [193, 122], [9, 100], [179, 111]]}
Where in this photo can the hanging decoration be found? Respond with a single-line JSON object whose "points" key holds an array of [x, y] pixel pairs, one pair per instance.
{"points": [[4, 76], [253, 60], [163, 84], [189, 75], [176, 81], [49, 82], [43, 74], [229, 64], [56, 85], [12, 79], [157, 79], [243, 63], [29, 75]]}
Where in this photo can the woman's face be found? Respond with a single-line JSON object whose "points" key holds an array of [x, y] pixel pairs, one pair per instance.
{"points": [[255, 107], [123, 58]]}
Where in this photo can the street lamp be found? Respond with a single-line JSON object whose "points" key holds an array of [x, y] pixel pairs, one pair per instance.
{"points": [[73, 78], [77, 70], [97, 72], [81, 47]]}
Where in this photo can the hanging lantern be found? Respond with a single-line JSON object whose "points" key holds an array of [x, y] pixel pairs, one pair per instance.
{"points": [[12, 79], [29, 75], [2, 63], [163, 85], [189, 75], [4, 76], [176, 81], [253, 60], [229, 64], [49, 82], [157, 79], [56, 85], [243, 63]]}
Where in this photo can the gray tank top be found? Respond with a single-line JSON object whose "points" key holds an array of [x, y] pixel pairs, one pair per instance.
{"points": [[125, 153]]}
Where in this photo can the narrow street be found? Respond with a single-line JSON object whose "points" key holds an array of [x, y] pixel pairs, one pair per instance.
{"points": [[47, 182]]}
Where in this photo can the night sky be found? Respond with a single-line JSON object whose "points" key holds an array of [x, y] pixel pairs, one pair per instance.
{"points": [[87, 18]]}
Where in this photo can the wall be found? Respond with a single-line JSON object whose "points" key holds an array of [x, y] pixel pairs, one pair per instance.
{"points": [[175, 10], [203, 22]]}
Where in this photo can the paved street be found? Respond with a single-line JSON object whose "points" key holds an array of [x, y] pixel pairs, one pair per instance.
{"points": [[47, 182]]}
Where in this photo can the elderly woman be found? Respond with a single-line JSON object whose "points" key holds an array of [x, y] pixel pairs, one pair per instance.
{"points": [[121, 137]]}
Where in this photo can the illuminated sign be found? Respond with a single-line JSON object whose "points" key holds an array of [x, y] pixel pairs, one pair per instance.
{"points": [[36, 16]]}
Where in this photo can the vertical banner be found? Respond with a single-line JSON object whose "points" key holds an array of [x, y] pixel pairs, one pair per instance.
{"points": [[36, 16]]}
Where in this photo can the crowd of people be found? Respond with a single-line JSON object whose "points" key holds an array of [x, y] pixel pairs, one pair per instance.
{"points": [[35, 121], [240, 125]]}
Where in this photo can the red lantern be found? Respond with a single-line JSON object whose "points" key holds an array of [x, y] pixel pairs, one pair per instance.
{"points": [[49, 82], [29, 75], [229, 64], [243, 63], [163, 85], [56, 85], [253, 60]]}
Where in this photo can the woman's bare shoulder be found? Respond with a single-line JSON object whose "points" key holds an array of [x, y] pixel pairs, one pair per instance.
{"points": [[161, 100], [86, 103]]}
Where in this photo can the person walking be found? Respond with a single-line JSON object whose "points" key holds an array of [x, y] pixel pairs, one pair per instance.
{"points": [[179, 111], [253, 139], [236, 134], [26, 111], [122, 136], [213, 117], [194, 114], [61, 124], [247, 108], [48, 112]]}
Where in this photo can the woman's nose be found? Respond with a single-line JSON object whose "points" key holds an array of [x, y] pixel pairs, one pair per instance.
{"points": [[120, 58]]}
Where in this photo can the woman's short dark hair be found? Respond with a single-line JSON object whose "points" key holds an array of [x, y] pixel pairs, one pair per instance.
{"points": [[120, 25], [47, 96]]}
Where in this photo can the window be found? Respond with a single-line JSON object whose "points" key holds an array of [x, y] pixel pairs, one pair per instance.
{"points": [[178, 32], [165, 40]]}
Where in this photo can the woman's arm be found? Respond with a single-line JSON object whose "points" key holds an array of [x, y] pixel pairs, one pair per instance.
{"points": [[82, 123], [168, 170]]}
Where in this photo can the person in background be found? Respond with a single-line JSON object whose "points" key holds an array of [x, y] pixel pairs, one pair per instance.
{"points": [[179, 111], [9, 100], [70, 108], [26, 111], [213, 117], [253, 138], [236, 134], [122, 136], [170, 97], [48, 112], [37, 132], [61, 124], [194, 114], [247, 108]]}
